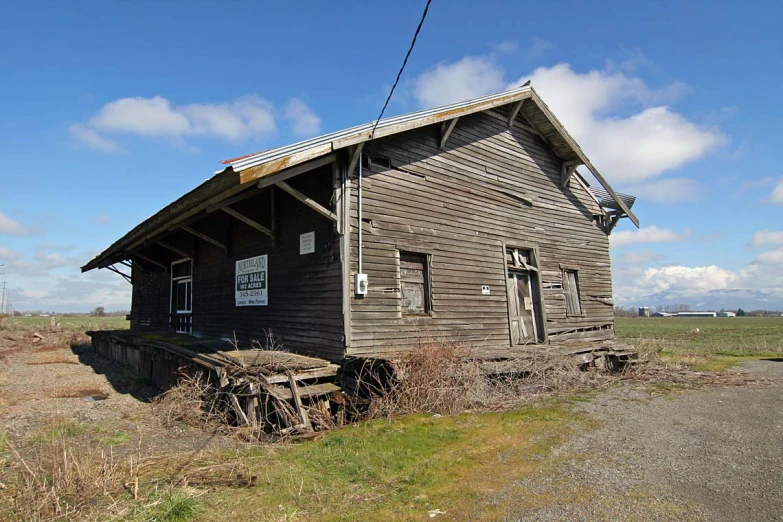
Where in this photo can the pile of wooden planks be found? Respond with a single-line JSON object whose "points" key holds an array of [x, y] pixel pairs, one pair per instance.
{"points": [[280, 392], [273, 391]]}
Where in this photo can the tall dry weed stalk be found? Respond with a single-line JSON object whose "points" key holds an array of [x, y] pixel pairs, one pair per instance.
{"points": [[62, 480], [441, 376]]}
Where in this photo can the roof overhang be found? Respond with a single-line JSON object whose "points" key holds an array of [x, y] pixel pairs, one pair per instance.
{"points": [[241, 173]]}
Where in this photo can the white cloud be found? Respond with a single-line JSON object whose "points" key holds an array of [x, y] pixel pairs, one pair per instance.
{"points": [[144, 116], [304, 122], [49, 279], [651, 234], [506, 47], [776, 196], [632, 148], [767, 237], [686, 280], [244, 118], [13, 228], [626, 146], [101, 219], [666, 191], [639, 258], [92, 139], [470, 77], [772, 257], [538, 46]]}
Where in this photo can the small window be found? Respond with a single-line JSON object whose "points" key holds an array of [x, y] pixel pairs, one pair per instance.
{"points": [[571, 291], [414, 284]]}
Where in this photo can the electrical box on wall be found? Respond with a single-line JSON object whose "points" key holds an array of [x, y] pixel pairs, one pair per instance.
{"points": [[361, 284]]}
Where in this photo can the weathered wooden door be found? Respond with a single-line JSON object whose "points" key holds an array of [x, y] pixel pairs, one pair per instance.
{"points": [[521, 308]]}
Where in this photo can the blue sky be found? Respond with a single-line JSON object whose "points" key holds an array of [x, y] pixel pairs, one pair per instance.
{"points": [[110, 110]]}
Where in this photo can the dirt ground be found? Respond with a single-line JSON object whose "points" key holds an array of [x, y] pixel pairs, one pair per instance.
{"points": [[59, 380], [714, 453]]}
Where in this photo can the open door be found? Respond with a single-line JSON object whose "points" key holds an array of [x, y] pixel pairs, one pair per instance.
{"points": [[524, 303]]}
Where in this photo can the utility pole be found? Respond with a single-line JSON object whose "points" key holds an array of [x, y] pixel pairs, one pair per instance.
{"points": [[2, 298]]}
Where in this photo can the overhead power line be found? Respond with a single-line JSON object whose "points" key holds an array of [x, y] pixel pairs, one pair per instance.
{"points": [[404, 63]]}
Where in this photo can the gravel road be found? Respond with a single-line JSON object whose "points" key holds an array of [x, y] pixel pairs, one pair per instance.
{"points": [[714, 453]]}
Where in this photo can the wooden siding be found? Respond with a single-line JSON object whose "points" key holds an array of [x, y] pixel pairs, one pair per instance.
{"points": [[305, 291], [461, 205]]}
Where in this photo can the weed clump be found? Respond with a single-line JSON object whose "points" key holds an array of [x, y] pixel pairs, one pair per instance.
{"points": [[446, 377]]}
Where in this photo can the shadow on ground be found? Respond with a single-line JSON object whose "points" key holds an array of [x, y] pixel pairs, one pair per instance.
{"points": [[122, 378]]}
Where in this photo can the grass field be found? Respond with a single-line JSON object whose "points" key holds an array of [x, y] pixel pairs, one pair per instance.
{"points": [[704, 343], [75, 323]]}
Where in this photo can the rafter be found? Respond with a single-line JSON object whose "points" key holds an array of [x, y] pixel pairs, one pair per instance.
{"points": [[149, 260], [174, 249], [205, 237], [246, 220], [307, 201], [283, 175], [445, 131]]}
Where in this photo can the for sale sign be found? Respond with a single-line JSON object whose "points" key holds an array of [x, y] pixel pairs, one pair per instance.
{"points": [[251, 281]]}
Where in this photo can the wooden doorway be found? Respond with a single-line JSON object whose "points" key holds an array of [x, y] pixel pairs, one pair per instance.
{"points": [[524, 297]]}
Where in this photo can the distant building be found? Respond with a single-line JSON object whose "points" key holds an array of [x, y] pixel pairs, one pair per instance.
{"points": [[696, 314], [663, 314], [644, 311], [727, 314]]}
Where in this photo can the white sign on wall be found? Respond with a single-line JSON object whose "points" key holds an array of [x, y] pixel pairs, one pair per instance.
{"points": [[306, 243], [251, 281]]}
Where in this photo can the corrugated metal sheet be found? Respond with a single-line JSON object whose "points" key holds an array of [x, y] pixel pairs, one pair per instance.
{"points": [[247, 162]]}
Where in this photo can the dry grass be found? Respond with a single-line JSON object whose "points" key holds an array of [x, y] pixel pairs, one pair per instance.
{"points": [[439, 376], [59, 477], [197, 402]]}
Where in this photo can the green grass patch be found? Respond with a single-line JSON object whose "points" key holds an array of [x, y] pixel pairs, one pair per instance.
{"points": [[398, 469], [708, 344], [75, 323], [169, 506], [59, 429], [115, 439]]}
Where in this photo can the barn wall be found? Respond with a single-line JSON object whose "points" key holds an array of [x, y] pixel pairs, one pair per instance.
{"points": [[460, 205], [305, 291], [149, 300]]}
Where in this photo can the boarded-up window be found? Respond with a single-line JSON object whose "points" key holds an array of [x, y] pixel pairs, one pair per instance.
{"points": [[414, 284], [571, 290]]}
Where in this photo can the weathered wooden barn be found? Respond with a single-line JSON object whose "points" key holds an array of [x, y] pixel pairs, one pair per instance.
{"points": [[469, 222]]}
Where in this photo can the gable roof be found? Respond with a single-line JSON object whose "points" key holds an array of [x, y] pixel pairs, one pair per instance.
{"points": [[240, 172]]}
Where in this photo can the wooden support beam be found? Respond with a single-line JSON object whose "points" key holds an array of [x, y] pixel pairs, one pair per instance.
{"points": [[513, 115], [612, 223], [175, 250], [149, 260], [126, 264], [568, 170], [246, 220], [445, 131], [116, 271], [272, 215], [356, 154], [272, 179], [230, 201], [307, 201], [205, 237]]}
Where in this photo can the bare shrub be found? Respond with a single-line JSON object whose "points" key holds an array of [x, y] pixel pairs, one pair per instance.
{"points": [[193, 401], [440, 376]]}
